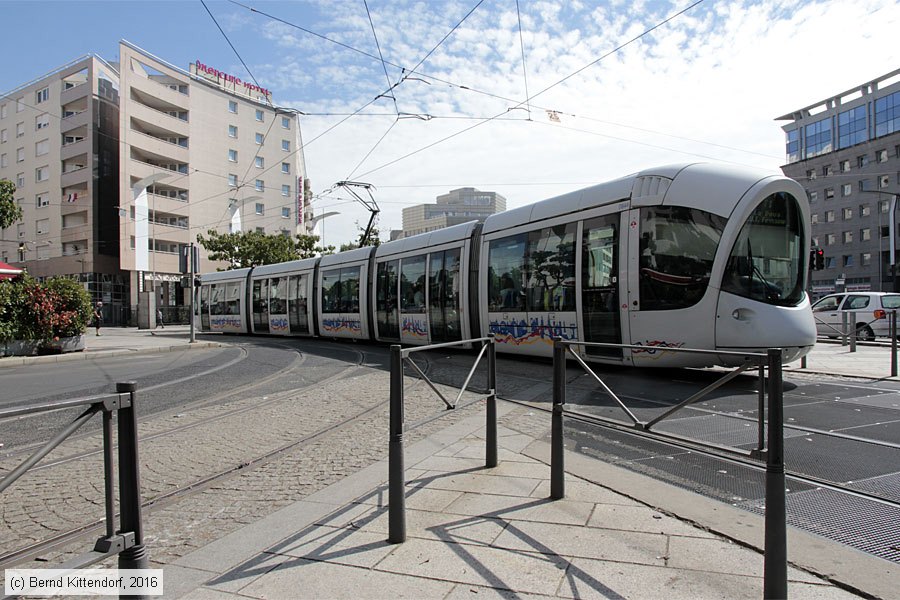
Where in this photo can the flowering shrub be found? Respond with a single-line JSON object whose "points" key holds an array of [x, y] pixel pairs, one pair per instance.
{"points": [[43, 311]]}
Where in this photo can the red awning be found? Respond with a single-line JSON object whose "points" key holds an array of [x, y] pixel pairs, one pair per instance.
{"points": [[8, 271]]}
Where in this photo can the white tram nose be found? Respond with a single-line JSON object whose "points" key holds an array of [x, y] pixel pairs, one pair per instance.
{"points": [[746, 325]]}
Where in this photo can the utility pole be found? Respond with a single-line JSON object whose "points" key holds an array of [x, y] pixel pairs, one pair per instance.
{"points": [[193, 293]]}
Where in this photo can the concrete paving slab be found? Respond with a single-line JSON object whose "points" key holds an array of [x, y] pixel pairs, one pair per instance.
{"points": [[582, 491], [583, 542], [345, 546], [642, 518], [694, 554], [442, 526], [470, 592], [479, 565], [478, 483], [567, 512]]}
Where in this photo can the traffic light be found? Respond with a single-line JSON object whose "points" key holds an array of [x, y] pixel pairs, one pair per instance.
{"points": [[818, 262]]}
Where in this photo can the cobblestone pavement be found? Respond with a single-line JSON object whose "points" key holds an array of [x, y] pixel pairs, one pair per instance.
{"points": [[56, 498]]}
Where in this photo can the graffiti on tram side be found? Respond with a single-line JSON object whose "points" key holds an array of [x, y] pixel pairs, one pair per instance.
{"points": [[279, 324], [341, 325], [414, 327], [655, 348], [520, 332], [225, 323]]}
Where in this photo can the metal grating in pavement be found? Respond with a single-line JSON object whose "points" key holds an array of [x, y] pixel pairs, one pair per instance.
{"points": [[857, 522], [718, 429], [838, 460], [885, 486]]}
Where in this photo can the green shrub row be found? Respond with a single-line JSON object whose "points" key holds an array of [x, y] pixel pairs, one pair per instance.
{"points": [[30, 310]]}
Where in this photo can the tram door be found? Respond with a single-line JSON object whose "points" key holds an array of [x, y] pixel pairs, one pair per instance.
{"points": [[600, 285], [261, 306], [443, 296], [386, 308]]}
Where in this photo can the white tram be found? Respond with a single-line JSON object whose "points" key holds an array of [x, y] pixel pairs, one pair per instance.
{"points": [[694, 256]]}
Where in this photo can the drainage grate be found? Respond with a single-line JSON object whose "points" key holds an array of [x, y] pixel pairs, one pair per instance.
{"points": [[838, 460], [857, 522], [718, 429]]}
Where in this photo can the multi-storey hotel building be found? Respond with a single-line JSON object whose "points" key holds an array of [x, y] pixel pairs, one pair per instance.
{"points": [[845, 150], [118, 165], [457, 206]]}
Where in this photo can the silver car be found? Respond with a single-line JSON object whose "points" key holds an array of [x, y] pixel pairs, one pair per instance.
{"points": [[871, 310]]}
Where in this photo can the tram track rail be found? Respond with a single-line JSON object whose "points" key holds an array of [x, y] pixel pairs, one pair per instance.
{"points": [[204, 481]]}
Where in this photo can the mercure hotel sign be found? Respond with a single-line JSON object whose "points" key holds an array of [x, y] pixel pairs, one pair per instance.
{"points": [[230, 82]]}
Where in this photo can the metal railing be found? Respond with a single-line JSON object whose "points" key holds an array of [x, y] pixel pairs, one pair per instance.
{"points": [[398, 426], [126, 540], [775, 567]]}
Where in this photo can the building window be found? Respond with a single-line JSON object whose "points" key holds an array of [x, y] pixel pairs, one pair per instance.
{"points": [[42, 200], [848, 260], [3, 111], [845, 166], [814, 218], [792, 145], [863, 185], [259, 115], [827, 171], [260, 185], [829, 193], [42, 147], [261, 230], [4, 160], [286, 122], [865, 259], [20, 104], [847, 213], [285, 190], [260, 163], [286, 145], [887, 117], [818, 137], [20, 129], [4, 136], [20, 180], [813, 196], [232, 155], [232, 106], [847, 237], [865, 234], [884, 181], [42, 174], [862, 161], [285, 212], [286, 168], [846, 189], [829, 216], [232, 131], [42, 95], [881, 156], [830, 239], [852, 127], [259, 139], [865, 210], [884, 231], [41, 121], [883, 206], [260, 208], [232, 180]]}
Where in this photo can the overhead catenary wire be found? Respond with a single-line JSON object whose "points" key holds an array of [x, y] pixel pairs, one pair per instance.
{"points": [[236, 53], [524, 68]]}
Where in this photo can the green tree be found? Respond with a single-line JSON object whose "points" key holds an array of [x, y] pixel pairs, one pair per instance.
{"points": [[10, 211], [252, 248], [374, 237]]}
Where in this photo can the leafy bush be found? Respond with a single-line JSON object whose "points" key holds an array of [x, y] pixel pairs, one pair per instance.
{"points": [[42, 311]]}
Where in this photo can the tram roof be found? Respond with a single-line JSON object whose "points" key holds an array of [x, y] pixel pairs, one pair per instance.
{"points": [[346, 257], [305, 264], [429, 239], [225, 275]]}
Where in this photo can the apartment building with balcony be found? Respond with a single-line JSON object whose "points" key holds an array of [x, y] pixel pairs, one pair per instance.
{"points": [[200, 150], [119, 164], [59, 145], [457, 206], [845, 150]]}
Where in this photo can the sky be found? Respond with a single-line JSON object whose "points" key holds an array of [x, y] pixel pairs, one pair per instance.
{"points": [[530, 99]]}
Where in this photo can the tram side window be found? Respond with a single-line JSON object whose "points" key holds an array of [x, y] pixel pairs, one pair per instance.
{"points": [[340, 290], [278, 295], [217, 299], [412, 284], [677, 249], [551, 269], [232, 299], [506, 273], [204, 300]]}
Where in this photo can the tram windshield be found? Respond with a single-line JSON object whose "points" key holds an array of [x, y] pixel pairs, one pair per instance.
{"points": [[766, 262]]}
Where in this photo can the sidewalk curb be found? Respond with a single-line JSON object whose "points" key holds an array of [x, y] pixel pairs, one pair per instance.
{"points": [[18, 361]]}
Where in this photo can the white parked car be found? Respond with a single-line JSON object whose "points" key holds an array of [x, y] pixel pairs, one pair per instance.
{"points": [[871, 308]]}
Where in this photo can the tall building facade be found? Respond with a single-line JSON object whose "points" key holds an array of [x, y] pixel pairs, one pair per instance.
{"points": [[845, 150], [457, 206], [143, 157]]}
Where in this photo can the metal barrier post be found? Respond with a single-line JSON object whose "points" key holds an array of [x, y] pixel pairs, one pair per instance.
{"points": [[557, 464], [852, 318], [136, 556], [893, 343], [490, 436], [396, 476], [843, 329], [775, 567], [109, 474], [803, 362]]}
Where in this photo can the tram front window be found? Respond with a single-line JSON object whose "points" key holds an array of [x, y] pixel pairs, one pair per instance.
{"points": [[766, 262]]}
